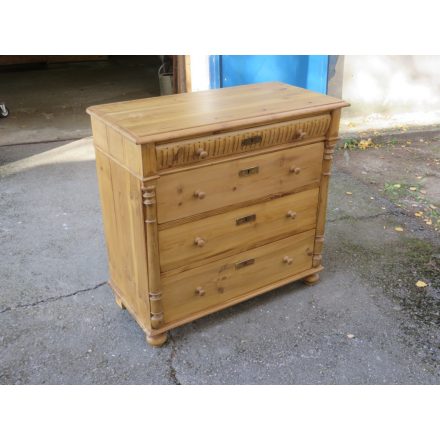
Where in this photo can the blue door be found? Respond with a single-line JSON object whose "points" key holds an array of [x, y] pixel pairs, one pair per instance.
{"points": [[307, 71]]}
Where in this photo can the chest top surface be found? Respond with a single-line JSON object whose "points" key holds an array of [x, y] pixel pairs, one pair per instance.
{"points": [[164, 118]]}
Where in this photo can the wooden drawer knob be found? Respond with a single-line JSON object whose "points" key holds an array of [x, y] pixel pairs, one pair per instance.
{"points": [[295, 170], [198, 241], [199, 194], [287, 259], [200, 291], [202, 153], [302, 134], [291, 214]]}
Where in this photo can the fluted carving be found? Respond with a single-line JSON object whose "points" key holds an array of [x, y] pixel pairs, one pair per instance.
{"points": [[182, 153]]}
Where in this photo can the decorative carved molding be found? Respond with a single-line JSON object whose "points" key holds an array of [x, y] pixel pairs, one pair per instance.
{"points": [[156, 311], [319, 239], [329, 149], [149, 196], [316, 261], [154, 295], [333, 139], [181, 153], [317, 253]]}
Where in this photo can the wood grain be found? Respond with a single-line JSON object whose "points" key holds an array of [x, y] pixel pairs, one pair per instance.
{"points": [[123, 151], [154, 293], [194, 222], [227, 144], [121, 203], [332, 137], [204, 189], [227, 208], [221, 236], [238, 299], [190, 114], [221, 280]]}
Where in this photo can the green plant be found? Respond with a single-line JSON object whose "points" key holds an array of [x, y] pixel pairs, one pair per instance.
{"points": [[351, 144]]}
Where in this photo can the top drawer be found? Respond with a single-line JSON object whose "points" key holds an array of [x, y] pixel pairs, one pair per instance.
{"points": [[196, 150]]}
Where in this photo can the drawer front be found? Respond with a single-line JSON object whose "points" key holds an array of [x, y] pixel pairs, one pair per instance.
{"points": [[211, 238], [209, 285], [209, 188], [192, 151]]}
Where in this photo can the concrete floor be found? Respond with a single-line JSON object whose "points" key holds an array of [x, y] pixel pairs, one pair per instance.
{"points": [[48, 104], [59, 323]]}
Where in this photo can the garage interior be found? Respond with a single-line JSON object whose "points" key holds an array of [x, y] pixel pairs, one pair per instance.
{"points": [[47, 95]]}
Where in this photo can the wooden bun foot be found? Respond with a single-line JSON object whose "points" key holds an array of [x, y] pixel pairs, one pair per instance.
{"points": [[311, 279], [157, 340], [119, 302]]}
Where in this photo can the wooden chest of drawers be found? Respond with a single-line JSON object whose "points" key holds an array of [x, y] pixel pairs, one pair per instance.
{"points": [[211, 198]]}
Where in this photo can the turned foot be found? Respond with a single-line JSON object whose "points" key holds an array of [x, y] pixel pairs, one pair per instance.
{"points": [[157, 340], [119, 302], [311, 279]]}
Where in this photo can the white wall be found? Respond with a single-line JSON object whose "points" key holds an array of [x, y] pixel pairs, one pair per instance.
{"points": [[199, 72], [389, 90]]}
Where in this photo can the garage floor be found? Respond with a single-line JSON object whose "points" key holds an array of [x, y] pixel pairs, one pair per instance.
{"points": [[49, 103]]}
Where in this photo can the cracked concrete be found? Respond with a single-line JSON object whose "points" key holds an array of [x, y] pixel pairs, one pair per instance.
{"points": [[172, 369], [365, 217], [53, 298], [49, 204], [61, 325]]}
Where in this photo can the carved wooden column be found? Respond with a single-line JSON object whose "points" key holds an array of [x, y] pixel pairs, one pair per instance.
{"points": [[154, 293], [329, 148]]}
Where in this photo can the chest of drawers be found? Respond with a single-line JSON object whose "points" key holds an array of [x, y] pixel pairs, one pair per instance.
{"points": [[211, 198]]}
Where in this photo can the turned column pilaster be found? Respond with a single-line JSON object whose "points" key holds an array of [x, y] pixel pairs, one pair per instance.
{"points": [[329, 148], [154, 287]]}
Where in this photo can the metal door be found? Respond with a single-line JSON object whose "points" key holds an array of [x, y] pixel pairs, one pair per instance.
{"points": [[307, 71]]}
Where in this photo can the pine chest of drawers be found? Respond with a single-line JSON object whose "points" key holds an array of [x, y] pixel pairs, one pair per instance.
{"points": [[211, 198]]}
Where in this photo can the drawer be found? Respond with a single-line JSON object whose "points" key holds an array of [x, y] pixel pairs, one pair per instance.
{"points": [[230, 183], [218, 236], [214, 283], [205, 148]]}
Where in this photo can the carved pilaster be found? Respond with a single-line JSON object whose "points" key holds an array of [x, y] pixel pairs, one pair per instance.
{"points": [[329, 149], [319, 242], [154, 294], [156, 309], [317, 252]]}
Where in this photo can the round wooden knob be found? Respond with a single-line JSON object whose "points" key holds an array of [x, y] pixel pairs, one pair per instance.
{"points": [[202, 153], [199, 194], [302, 135], [291, 214], [200, 291], [287, 259], [295, 170], [198, 241]]}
